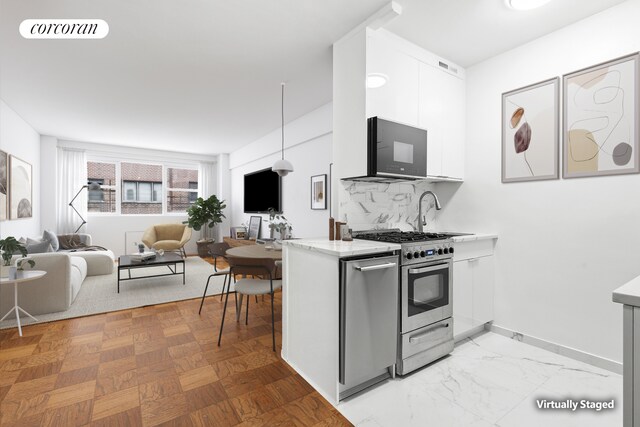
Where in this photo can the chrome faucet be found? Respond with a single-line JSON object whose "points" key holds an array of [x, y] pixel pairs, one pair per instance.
{"points": [[422, 220]]}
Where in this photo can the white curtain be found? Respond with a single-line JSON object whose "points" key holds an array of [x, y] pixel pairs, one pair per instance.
{"points": [[207, 183], [72, 176]]}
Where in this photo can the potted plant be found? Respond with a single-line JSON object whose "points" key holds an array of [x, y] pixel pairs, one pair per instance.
{"points": [[277, 222], [10, 246], [205, 214]]}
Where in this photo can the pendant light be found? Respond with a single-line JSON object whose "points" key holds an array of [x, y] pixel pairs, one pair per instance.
{"points": [[282, 167]]}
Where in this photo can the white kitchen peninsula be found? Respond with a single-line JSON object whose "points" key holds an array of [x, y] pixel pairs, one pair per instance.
{"points": [[629, 296], [311, 305]]}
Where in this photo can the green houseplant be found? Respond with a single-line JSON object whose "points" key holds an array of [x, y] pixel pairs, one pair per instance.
{"points": [[205, 214], [277, 222], [10, 246]]}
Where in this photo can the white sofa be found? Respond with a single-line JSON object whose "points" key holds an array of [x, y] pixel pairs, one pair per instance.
{"points": [[57, 290]]}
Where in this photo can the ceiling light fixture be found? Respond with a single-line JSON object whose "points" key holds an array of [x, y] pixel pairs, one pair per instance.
{"points": [[376, 80], [525, 4], [282, 167]]}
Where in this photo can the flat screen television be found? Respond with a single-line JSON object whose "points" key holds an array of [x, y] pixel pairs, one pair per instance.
{"points": [[262, 190]]}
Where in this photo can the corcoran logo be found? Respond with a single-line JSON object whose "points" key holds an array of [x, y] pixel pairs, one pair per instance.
{"points": [[64, 29]]}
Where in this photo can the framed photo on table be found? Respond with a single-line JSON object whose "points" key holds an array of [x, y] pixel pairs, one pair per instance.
{"points": [[319, 192], [238, 233], [254, 227]]}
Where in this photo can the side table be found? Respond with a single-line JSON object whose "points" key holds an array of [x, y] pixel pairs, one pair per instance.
{"points": [[23, 276]]}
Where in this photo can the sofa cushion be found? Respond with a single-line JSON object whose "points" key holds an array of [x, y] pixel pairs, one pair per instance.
{"points": [[51, 237], [78, 274], [98, 262], [38, 246]]}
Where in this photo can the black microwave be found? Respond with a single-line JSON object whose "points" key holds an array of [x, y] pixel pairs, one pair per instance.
{"points": [[395, 150]]}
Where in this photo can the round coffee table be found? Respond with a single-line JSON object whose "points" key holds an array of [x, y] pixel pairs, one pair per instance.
{"points": [[23, 276]]}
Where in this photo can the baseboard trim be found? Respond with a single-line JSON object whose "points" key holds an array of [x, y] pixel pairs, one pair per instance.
{"points": [[464, 335], [582, 356]]}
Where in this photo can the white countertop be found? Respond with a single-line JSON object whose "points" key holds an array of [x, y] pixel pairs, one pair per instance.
{"points": [[340, 248], [629, 293], [473, 237]]}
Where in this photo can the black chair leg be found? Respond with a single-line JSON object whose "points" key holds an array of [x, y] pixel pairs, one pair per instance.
{"points": [[273, 323], [246, 319], [205, 293], [223, 285], [224, 311]]}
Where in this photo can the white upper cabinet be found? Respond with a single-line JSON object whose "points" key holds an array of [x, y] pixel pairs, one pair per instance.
{"points": [[397, 100], [442, 112], [424, 91]]}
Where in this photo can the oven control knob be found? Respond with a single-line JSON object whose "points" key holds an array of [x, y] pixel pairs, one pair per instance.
{"points": [[422, 254], [416, 254], [446, 250], [450, 250], [440, 251], [409, 255]]}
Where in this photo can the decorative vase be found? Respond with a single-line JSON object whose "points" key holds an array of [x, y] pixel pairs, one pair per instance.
{"points": [[4, 270]]}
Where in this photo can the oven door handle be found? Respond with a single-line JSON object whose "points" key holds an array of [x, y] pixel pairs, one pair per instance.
{"points": [[428, 269], [423, 335], [376, 267]]}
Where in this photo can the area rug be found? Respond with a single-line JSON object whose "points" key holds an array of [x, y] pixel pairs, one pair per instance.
{"points": [[98, 294]]}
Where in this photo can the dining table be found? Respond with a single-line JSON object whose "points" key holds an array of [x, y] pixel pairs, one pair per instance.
{"points": [[255, 251]]}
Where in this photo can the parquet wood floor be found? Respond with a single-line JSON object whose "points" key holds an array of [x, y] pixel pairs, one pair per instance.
{"points": [[156, 365]]}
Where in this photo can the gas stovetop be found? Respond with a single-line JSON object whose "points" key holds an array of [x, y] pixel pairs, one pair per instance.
{"points": [[417, 247], [397, 236]]}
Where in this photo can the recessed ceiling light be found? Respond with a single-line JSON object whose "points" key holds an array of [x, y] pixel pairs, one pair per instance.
{"points": [[376, 80], [525, 4]]}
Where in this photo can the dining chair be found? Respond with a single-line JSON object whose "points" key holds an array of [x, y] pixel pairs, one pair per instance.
{"points": [[217, 250], [252, 286]]}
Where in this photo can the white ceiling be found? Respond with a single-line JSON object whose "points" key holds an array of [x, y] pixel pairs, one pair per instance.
{"points": [[204, 76], [470, 31]]}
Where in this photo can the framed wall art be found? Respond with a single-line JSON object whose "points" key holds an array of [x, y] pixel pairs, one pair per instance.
{"points": [[4, 187], [600, 115], [319, 192], [530, 130], [20, 189], [254, 227]]}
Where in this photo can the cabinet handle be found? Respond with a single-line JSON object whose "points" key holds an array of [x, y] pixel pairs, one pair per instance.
{"points": [[376, 267], [420, 337]]}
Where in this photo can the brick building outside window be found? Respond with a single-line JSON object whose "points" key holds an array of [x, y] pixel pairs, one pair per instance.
{"points": [[141, 188]]}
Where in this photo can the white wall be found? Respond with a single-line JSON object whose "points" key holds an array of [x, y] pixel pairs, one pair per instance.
{"points": [[18, 138], [48, 174], [308, 148], [224, 193], [564, 245]]}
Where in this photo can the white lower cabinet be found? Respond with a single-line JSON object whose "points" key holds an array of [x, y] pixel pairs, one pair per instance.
{"points": [[473, 281]]}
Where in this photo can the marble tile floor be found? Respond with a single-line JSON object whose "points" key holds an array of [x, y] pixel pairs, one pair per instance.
{"points": [[489, 380]]}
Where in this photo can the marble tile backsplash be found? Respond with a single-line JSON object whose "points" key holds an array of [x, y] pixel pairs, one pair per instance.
{"points": [[366, 205]]}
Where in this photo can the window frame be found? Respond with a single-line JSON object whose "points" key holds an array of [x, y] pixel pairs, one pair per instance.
{"points": [[165, 190]]}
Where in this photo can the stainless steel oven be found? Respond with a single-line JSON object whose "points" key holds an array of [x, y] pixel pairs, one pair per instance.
{"points": [[426, 300], [426, 294]]}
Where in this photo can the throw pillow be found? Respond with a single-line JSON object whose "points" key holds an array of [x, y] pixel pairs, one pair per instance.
{"points": [[69, 241], [38, 247], [51, 237]]}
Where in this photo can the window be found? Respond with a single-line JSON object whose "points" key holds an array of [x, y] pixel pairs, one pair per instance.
{"points": [[103, 200], [143, 188], [182, 189], [138, 183]]}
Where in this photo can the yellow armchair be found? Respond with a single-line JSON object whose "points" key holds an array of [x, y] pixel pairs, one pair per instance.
{"points": [[169, 237]]}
